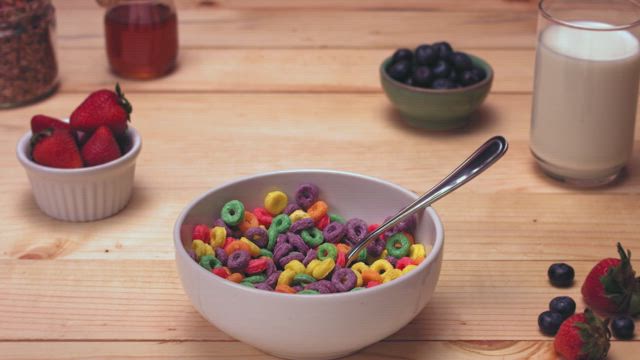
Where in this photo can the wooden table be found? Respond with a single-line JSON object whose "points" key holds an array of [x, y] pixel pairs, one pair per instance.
{"points": [[294, 84]]}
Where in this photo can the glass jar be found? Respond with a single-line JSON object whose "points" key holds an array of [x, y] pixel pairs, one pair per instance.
{"points": [[28, 66], [141, 37]]}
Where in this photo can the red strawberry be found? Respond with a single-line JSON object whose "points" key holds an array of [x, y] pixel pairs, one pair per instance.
{"points": [[102, 107], [43, 122], [100, 148], [611, 286], [583, 337], [55, 148]]}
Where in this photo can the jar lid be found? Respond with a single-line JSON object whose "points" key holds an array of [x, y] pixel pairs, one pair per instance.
{"points": [[13, 10]]}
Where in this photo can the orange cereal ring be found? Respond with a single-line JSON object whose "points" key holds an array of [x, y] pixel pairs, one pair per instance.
{"points": [[343, 248], [235, 277], [282, 288], [418, 260], [371, 275], [249, 221], [410, 237], [235, 246], [318, 210]]}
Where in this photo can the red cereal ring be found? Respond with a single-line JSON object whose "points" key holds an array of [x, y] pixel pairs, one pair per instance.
{"points": [[341, 260], [257, 265], [264, 218], [323, 222], [223, 272], [373, 283], [201, 232], [372, 227], [404, 262], [228, 241], [410, 237]]}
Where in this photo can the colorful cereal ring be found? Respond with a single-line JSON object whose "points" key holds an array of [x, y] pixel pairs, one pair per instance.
{"points": [[275, 202], [398, 245], [232, 212]]}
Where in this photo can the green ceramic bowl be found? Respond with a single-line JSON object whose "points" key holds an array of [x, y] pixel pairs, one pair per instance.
{"points": [[437, 109]]}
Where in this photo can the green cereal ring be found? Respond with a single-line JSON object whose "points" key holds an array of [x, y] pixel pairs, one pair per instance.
{"points": [[327, 250], [247, 284], [308, 292], [357, 288], [362, 256], [336, 218], [312, 237], [280, 223], [398, 245], [273, 236], [265, 252], [303, 279], [254, 279], [232, 213], [209, 262]]}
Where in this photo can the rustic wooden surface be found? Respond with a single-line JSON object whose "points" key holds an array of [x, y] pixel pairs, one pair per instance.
{"points": [[273, 76]]}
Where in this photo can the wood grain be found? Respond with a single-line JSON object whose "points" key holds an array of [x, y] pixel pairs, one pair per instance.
{"points": [[143, 300]]}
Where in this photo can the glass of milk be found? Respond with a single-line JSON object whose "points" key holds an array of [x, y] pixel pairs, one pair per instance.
{"points": [[586, 89]]}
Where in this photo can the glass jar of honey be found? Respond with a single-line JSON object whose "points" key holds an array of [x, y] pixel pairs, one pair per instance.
{"points": [[141, 37]]}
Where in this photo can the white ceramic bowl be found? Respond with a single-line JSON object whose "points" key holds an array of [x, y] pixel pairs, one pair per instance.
{"points": [[84, 194], [313, 326]]}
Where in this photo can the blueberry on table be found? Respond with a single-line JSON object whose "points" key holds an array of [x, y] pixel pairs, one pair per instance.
{"points": [[461, 61], [400, 71], [443, 84], [426, 55], [444, 50], [480, 73], [468, 77], [622, 327], [442, 69], [402, 54], [549, 322], [563, 305], [561, 274], [422, 76]]}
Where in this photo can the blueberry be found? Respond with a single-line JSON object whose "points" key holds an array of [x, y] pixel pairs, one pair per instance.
{"points": [[622, 327], [461, 61], [426, 55], [453, 75], [444, 50], [442, 69], [549, 322], [480, 73], [402, 54], [443, 84], [468, 78], [422, 76], [563, 305], [400, 71], [561, 274]]}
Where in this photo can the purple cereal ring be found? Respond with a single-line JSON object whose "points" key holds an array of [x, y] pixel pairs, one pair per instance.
{"points": [[221, 223], [291, 208], [258, 236], [238, 260], [271, 268], [272, 280], [280, 251], [307, 195], [301, 224], [392, 260], [344, 280], [297, 242], [322, 286], [356, 230], [311, 254], [281, 239], [375, 248], [294, 255], [263, 286], [408, 224], [222, 255], [334, 232], [298, 288]]}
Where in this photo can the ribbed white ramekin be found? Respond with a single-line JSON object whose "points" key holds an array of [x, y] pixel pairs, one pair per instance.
{"points": [[84, 194]]}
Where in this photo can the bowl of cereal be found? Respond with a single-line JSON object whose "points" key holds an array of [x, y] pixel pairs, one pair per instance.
{"points": [[274, 245]]}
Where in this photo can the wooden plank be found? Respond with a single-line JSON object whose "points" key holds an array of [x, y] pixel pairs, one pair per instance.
{"points": [[143, 300], [276, 28], [276, 70]]}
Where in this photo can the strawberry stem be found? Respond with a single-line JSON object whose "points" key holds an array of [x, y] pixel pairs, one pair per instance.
{"points": [[126, 105]]}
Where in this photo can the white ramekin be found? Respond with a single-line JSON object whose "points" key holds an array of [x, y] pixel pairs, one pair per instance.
{"points": [[84, 194]]}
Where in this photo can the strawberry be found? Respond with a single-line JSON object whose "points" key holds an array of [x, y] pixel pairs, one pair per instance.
{"points": [[100, 148], [55, 148], [611, 287], [102, 107], [583, 337], [43, 122]]}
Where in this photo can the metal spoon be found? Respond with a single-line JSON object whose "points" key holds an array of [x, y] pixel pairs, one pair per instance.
{"points": [[485, 156]]}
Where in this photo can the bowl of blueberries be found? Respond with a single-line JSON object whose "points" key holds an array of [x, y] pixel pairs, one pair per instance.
{"points": [[435, 87]]}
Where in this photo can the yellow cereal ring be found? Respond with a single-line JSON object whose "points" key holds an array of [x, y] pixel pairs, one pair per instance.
{"points": [[408, 268], [359, 267], [296, 266], [358, 278], [286, 277], [391, 275], [381, 266], [254, 250], [417, 251], [218, 236], [275, 202], [311, 266], [297, 215], [323, 268], [384, 254], [201, 249]]}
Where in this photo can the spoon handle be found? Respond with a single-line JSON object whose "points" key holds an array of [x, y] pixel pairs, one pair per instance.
{"points": [[485, 156]]}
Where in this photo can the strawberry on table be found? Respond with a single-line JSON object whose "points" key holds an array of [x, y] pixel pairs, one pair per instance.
{"points": [[583, 337], [55, 148], [102, 107], [101, 147], [43, 122], [611, 287]]}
